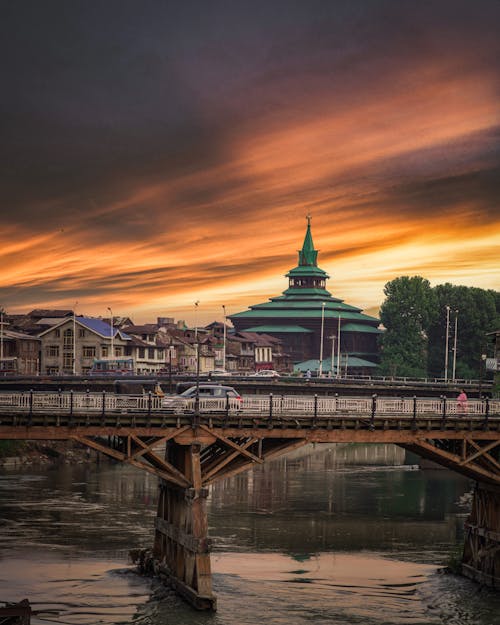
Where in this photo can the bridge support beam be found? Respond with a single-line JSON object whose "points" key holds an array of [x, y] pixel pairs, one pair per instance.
{"points": [[481, 556], [181, 546]]}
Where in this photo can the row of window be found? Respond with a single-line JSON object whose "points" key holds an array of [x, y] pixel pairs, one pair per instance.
{"points": [[88, 351]]}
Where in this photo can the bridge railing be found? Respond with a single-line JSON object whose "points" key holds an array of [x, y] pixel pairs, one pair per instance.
{"points": [[38, 402]]}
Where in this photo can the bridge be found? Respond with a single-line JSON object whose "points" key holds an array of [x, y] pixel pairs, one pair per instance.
{"points": [[205, 440]]}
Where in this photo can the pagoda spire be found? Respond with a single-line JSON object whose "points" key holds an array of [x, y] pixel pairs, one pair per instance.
{"points": [[308, 255]]}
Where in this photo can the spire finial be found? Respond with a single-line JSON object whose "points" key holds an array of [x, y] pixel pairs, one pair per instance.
{"points": [[308, 217]]}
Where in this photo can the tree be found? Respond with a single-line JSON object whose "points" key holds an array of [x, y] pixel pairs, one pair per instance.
{"points": [[409, 309], [476, 312]]}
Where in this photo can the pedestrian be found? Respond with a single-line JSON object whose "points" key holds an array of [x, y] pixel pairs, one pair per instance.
{"points": [[462, 402], [308, 374]]}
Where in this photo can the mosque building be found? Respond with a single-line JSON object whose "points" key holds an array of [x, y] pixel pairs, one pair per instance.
{"points": [[312, 324]]}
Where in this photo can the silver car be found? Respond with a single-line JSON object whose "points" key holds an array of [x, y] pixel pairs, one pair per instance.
{"points": [[213, 398]]}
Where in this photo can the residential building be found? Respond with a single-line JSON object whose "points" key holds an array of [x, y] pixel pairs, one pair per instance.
{"points": [[71, 345]]}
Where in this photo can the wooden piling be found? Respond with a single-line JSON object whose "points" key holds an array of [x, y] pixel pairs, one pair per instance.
{"points": [[481, 556]]}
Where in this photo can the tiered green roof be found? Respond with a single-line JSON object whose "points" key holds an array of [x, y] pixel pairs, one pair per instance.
{"points": [[305, 298]]}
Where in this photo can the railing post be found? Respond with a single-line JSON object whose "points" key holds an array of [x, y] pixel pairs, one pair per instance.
{"points": [[335, 405], [315, 409], [150, 404], [71, 404], [486, 412], [227, 407], [374, 410], [103, 406], [443, 401], [30, 419], [59, 405], [414, 425], [270, 411]]}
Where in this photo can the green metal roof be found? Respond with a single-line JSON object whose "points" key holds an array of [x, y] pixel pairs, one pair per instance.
{"points": [[296, 329], [283, 313], [308, 255], [330, 304], [360, 327], [352, 361], [302, 270]]}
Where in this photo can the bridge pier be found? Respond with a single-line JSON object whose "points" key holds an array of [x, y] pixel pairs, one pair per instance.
{"points": [[181, 545], [481, 556]]}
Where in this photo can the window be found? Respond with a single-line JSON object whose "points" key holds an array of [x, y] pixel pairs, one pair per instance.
{"points": [[89, 351], [118, 351], [81, 333], [68, 338], [68, 360], [141, 352], [151, 353], [104, 351], [52, 370], [52, 351], [57, 333]]}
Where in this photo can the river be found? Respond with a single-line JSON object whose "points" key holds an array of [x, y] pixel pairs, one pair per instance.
{"points": [[329, 535]]}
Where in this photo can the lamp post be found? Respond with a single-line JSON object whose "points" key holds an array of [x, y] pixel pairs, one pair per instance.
{"points": [[446, 344], [482, 364], [1, 336], [170, 350], [338, 348], [321, 340], [333, 354], [74, 338], [224, 340], [112, 333], [455, 345]]}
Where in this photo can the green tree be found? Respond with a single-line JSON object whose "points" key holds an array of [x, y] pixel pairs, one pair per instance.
{"points": [[409, 309], [474, 312]]}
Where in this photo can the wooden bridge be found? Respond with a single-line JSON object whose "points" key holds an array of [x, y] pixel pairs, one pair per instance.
{"points": [[206, 440]]}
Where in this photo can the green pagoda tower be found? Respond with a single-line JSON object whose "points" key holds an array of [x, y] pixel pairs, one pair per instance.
{"points": [[298, 315]]}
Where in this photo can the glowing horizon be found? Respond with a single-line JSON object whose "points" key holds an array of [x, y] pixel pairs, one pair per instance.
{"points": [[189, 175]]}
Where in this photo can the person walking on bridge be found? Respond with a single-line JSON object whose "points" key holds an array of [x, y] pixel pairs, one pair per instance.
{"points": [[462, 402]]}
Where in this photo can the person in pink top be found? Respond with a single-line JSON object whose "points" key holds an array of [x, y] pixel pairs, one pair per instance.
{"points": [[462, 402]]}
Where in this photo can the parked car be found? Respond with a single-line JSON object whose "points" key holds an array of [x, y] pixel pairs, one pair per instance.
{"points": [[267, 373], [213, 398], [218, 373]]}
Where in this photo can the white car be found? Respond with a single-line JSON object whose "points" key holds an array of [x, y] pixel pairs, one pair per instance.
{"points": [[219, 373], [267, 373]]}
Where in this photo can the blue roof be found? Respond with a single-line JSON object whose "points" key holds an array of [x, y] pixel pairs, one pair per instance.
{"points": [[100, 327]]}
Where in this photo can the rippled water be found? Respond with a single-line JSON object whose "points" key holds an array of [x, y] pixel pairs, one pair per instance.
{"points": [[342, 535]]}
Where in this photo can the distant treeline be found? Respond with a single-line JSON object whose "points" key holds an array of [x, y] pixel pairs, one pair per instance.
{"points": [[415, 317]]}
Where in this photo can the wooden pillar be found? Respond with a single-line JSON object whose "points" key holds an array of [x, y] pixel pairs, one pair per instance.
{"points": [[481, 557], [181, 544]]}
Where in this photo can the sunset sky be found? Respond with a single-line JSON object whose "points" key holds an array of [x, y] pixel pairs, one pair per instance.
{"points": [[158, 153]]}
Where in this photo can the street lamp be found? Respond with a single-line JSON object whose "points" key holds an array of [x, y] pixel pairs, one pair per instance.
{"points": [[74, 338], [321, 341], [224, 342], [112, 333], [455, 345], [446, 344], [170, 350], [338, 348], [1, 336], [333, 353]]}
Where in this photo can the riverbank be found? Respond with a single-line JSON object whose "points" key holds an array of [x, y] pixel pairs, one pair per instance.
{"points": [[15, 454]]}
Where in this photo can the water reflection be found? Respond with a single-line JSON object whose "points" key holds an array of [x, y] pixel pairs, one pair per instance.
{"points": [[331, 534]]}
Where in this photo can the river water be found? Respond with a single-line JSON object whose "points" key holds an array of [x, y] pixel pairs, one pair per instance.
{"points": [[329, 535]]}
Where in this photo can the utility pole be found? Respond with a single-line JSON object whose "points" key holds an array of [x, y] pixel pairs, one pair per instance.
{"points": [[338, 348], [446, 344], [455, 345], [224, 343], [321, 340], [112, 333]]}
